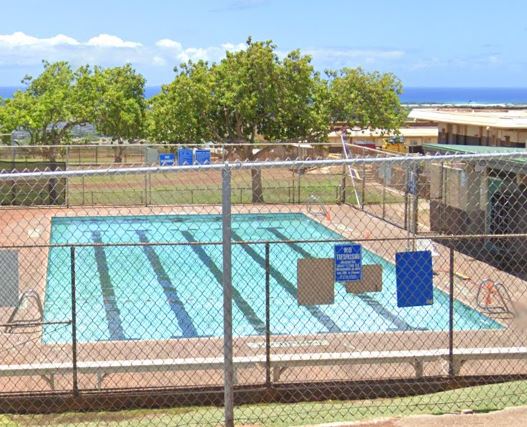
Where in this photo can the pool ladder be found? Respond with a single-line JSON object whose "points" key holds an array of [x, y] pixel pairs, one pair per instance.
{"points": [[490, 291], [314, 200], [12, 323]]}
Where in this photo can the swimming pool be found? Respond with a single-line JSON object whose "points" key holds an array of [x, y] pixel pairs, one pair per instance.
{"points": [[169, 292]]}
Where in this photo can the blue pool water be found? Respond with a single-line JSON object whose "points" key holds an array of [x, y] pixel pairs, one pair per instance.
{"points": [[163, 292]]}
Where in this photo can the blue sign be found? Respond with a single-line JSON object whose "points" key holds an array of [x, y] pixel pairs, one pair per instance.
{"points": [[167, 159], [185, 156], [202, 157], [414, 277], [348, 263]]}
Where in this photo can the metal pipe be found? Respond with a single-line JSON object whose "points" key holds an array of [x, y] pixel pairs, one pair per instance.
{"points": [[255, 242], [228, 368], [261, 164], [74, 324], [451, 371], [267, 317]]}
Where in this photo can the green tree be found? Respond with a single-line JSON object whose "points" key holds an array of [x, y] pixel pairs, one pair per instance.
{"points": [[251, 94], [183, 111], [48, 108], [114, 98], [255, 94], [365, 100]]}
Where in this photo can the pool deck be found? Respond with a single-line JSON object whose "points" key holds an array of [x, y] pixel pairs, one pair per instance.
{"points": [[28, 229]]}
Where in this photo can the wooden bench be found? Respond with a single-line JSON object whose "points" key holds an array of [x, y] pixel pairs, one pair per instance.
{"points": [[278, 363]]}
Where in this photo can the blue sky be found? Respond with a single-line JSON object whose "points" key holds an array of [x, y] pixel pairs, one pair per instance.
{"points": [[479, 43]]}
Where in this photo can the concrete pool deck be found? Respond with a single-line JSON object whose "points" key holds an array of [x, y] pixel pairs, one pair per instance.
{"points": [[28, 229]]}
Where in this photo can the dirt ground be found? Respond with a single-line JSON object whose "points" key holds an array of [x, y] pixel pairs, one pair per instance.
{"points": [[510, 417]]}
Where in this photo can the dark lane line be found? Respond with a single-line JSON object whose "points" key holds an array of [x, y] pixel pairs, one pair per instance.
{"points": [[323, 318], [243, 305], [176, 305], [113, 316], [371, 301]]}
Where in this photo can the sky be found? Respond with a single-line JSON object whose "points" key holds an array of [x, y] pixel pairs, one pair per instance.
{"points": [[429, 43]]}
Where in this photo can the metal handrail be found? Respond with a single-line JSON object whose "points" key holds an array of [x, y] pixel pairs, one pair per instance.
{"points": [[12, 323], [312, 200], [507, 306]]}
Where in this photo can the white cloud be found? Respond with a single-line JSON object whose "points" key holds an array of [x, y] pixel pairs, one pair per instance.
{"points": [[169, 44], [175, 50], [107, 40], [234, 47], [24, 52], [20, 40]]}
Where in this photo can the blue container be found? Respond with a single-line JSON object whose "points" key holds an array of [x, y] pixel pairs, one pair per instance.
{"points": [[202, 157], [185, 156]]}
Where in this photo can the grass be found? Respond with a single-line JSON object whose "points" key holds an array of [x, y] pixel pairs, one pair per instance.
{"points": [[480, 399], [203, 189]]}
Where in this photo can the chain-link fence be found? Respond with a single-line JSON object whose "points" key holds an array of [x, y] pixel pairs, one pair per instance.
{"points": [[147, 154], [374, 283]]}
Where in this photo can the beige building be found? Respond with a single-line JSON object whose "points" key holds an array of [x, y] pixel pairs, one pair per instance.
{"points": [[486, 127]]}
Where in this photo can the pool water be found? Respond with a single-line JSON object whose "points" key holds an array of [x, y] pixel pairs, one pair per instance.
{"points": [[175, 291]]}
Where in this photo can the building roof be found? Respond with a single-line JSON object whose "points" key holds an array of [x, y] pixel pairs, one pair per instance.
{"points": [[503, 119], [479, 149], [470, 149]]}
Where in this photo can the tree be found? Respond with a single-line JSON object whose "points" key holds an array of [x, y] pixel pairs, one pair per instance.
{"points": [[255, 94], [116, 104], [251, 94], [365, 100], [60, 98], [183, 110], [48, 108]]}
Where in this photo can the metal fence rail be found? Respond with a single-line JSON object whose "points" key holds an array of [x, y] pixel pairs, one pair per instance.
{"points": [[229, 300]]}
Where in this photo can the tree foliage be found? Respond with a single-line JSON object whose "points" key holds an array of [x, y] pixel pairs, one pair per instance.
{"points": [[184, 111], [365, 100], [250, 94], [60, 98]]}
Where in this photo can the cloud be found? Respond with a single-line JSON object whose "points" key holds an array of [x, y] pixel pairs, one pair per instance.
{"points": [[21, 40], [107, 40], [24, 52], [169, 44], [175, 50]]}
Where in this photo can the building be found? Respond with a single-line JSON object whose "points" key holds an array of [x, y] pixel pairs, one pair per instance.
{"points": [[471, 126]]}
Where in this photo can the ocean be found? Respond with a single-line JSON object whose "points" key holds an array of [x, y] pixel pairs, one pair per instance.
{"points": [[411, 95], [463, 95]]}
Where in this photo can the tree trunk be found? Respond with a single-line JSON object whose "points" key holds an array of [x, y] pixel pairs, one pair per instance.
{"points": [[256, 179], [118, 158], [257, 189], [52, 183]]}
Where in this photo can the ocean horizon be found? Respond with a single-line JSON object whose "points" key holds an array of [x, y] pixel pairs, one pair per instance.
{"points": [[411, 95]]}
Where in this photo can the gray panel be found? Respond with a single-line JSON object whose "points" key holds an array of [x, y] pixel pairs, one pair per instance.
{"points": [[8, 278], [316, 281], [371, 280]]}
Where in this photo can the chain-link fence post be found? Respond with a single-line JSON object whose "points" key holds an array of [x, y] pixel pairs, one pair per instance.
{"points": [[363, 186], [384, 167], [267, 317], [451, 371], [299, 172], [228, 369], [73, 324], [343, 186]]}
